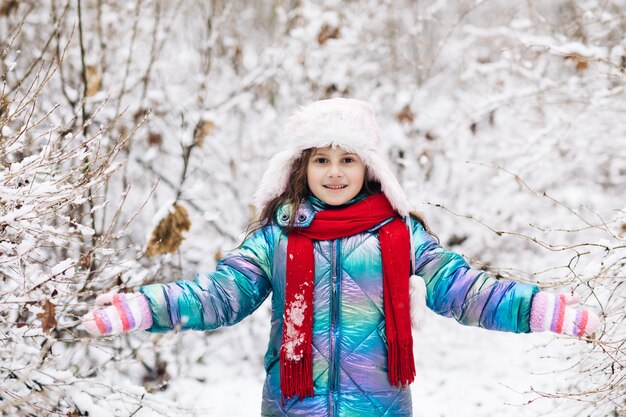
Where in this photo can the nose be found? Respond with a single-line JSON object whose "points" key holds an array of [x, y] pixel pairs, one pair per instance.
{"points": [[334, 171]]}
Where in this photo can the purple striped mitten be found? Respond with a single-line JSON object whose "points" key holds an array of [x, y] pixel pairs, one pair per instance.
{"points": [[558, 313], [126, 313]]}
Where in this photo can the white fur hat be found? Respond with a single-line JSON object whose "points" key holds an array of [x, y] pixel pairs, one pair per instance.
{"points": [[347, 123]]}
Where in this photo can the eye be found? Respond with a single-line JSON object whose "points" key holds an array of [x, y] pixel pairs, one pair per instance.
{"points": [[348, 159], [320, 160]]}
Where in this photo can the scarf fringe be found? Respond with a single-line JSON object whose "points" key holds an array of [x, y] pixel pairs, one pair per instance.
{"points": [[400, 362], [296, 377]]}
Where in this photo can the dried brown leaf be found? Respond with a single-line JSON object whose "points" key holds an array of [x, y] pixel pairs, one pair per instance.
{"points": [[405, 115], [140, 114], [327, 32], [8, 6], [4, 105], [93, 80], [203, 129], [85, 260], [154, 139], [582, 63], [168, 235], [48, 318], [238, 58]]}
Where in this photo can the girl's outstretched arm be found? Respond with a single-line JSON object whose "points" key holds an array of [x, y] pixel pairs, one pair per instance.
{"points": [[472, 297], [476, 298], [224, 297]]}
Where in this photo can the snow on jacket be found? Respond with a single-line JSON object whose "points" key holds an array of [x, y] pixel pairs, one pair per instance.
{"points": [[349, 346]]}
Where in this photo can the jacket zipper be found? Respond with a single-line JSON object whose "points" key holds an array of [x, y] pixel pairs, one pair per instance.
{"points": [[334, 308]]}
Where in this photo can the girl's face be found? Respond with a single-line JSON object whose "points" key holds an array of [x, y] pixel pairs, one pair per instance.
{"points": [[335, 175]]}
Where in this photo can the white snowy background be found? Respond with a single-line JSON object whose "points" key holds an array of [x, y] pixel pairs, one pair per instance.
{"points": [[503, 120]]}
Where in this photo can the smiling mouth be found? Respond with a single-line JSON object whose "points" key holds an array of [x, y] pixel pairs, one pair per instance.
{"points": [[335, 187]]}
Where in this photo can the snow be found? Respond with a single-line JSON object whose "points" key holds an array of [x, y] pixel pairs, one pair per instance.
{"points": [[84, 230], [296, 310], [294, 338], [86, 403], [25, 246], [15, 215], [65, 268]]}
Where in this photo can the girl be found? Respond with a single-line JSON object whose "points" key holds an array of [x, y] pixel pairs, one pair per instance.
{"points": [[336, 246]]}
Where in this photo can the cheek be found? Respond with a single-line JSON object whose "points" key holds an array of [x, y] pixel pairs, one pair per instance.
{"points": [[359, 176]]}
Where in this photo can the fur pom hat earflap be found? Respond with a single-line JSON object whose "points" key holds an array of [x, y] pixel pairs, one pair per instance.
{"points": [[347, 123]]}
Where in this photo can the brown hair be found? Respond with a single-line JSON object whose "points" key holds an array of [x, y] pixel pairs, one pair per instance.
{"points": [[298, 190]]}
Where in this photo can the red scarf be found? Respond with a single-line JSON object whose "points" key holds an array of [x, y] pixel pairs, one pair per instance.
{"points": [[296, 361]]}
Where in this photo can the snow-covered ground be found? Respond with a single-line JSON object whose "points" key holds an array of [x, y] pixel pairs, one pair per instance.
{"points": [[462, 371]]}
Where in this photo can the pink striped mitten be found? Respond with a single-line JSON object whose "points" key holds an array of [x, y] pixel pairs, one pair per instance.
{"points": [[558, 313], [126, 313]]}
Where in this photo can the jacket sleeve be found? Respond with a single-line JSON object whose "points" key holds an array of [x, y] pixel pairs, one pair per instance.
{"points": [[472, 297], [237, 287]]}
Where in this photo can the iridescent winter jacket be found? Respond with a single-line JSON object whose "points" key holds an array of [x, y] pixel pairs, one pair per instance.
{"points": [[349, 346]]}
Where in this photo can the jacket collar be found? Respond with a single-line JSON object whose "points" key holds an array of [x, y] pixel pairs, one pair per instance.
{"points": [[307, 210]]}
